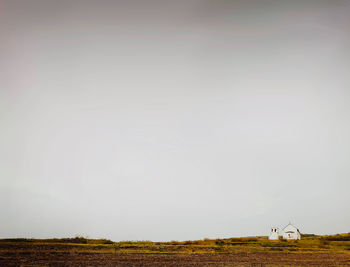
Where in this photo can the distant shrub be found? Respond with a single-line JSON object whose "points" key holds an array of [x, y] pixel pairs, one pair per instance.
{"points": [[280, 238], [236, 241], [308, 236], [219, 242], [277, 244], [18, 240], [79, 240], [323, 243], [117, 246], [276, 249], [196, 242], [251, 239], [107, 241], [338, 237]]}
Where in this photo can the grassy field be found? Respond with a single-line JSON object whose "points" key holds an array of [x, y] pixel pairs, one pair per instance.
{"points": [[246, 251]]}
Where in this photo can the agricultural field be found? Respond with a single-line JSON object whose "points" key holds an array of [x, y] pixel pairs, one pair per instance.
{"points": [[248, 251]]}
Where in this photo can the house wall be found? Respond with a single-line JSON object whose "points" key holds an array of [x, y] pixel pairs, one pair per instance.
{"points": [[294, 235], [274, 233], [273, 236]]}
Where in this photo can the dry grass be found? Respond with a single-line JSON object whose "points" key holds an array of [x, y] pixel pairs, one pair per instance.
{"points": [[335, 250]]}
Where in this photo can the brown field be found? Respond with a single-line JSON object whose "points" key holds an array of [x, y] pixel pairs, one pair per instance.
{"points": [[255, 251]]}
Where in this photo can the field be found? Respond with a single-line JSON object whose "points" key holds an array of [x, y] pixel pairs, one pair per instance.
{"points": [[249, 251]]}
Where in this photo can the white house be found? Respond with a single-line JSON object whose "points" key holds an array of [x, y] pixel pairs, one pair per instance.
{"points": [[290, 232], [274, 233]]}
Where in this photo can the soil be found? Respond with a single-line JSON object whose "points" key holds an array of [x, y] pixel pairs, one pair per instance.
{"points": [[67, 258]]}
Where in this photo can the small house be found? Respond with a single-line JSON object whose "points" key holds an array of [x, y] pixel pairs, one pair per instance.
{"points": [[290, 232], [274, 233]]}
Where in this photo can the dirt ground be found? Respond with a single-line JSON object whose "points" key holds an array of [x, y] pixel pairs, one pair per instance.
{"points": [[44, 258]]}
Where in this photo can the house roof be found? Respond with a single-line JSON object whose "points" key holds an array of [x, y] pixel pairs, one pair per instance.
{"points": [[289, 224]]}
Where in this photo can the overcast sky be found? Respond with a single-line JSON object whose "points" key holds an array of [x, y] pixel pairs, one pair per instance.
{"points": [[174, 120]]}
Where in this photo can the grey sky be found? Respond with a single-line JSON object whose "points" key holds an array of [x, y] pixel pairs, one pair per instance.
{"points": [[173, 120]]}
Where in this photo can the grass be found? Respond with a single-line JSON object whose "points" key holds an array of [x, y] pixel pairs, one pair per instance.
{"points": [[79, 245]]}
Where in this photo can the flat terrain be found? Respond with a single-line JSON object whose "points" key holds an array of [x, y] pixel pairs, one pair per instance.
{"points": [[254, 251], [229, 259]]}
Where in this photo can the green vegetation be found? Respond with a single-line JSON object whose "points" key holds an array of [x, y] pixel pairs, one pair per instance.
{"points": [[74, 240], [308, 244]]}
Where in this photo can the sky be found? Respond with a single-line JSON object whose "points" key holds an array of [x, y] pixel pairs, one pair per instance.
{"points": [[173, 120]]}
